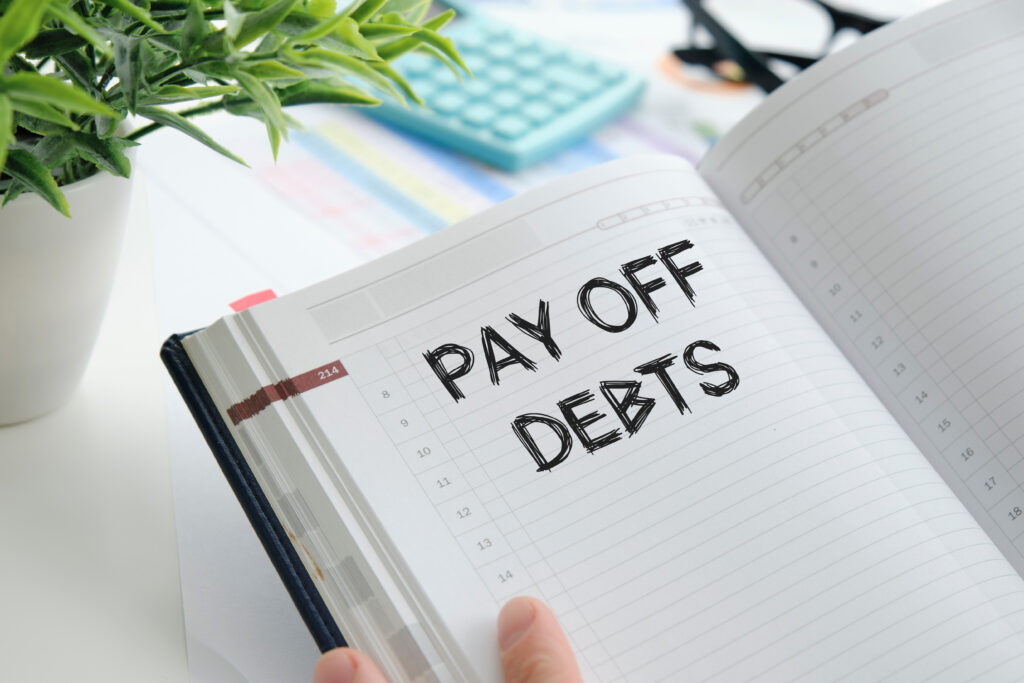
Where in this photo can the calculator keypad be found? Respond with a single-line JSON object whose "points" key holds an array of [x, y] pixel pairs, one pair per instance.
{"points": [[522, 86], [515, 75], [511, 126]]}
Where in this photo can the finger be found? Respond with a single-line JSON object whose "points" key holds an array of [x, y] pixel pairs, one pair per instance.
{"points": [[345, 665], [534, 648]]}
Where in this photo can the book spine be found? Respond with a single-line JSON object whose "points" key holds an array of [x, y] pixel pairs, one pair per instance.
{"points": [[257, 508]]}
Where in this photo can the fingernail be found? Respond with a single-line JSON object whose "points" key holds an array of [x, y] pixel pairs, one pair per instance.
{"points": [[513, 621], [335, 668]]}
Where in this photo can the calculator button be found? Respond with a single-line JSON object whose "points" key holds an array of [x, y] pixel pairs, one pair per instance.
{"points": [[502, 75], [529, 61], [476, 88], [532, 86], [562, 99], [448, 101], [553, 54], [524, 41], [538, 112], [422, 87], [479, 114], [416, 65], [500, 52], [477, 63], [497, 34], [468, 41], [610, 74], [572, 79], [582, 63], [510, 126], [443, 76], [507, 99]]}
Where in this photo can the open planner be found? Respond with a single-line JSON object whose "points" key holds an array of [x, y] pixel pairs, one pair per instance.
{"points": [[761, 420]]}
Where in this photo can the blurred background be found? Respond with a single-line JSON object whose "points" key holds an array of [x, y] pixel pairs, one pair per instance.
{"points": [[150, 567]]}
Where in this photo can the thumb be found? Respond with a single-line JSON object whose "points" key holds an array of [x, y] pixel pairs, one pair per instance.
{"points": [[534, 648]]}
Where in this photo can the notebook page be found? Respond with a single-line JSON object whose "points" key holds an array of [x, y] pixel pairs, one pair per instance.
{"points": [[778, 528], [886, 187]]}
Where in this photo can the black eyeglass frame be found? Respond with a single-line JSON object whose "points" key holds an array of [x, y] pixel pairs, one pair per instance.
{"points": [[755, 64]]}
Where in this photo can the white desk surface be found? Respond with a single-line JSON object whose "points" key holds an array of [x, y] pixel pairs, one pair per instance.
{"points": [[89, 585], [112, 509]]}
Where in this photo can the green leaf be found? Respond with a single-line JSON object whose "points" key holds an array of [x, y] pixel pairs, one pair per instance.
{"points": [[349, 33], [41, 110], [128, 65], [176, 93], [169, 118], [105, 153], [80, 70], [443, 45], [273, 134], [272, 70], [418, 13], [19, 23], [23, 166], [344, 28], [320, 30], [6, 127], [53, 42], [53, 150], [133, 11], [80, 26], [269, 105], [403, 6], [194, 30], [271, 42], [36, 125], [321, 9], [170, 42], [386, 30], [232, 21], [366, 9], [16, 188], [325, 91], [434, 54], [159, 53], [386, 70], [402, 45], [16, 63], [215, 68], [318, 56], [296, 24], [427, 39], [105, 126], [37, 88], [258, 23]]}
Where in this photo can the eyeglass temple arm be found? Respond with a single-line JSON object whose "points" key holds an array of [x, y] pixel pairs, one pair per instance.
{"points": [[756, 70], [845, 19]]}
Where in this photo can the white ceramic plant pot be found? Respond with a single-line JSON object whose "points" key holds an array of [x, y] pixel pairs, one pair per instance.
{"points": [[55, 279]]}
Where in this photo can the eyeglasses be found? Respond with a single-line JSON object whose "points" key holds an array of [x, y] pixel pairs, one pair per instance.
{"points": [[731, 61]]}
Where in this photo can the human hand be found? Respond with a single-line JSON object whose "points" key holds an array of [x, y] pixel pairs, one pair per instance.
{"points": [[533, 650]]}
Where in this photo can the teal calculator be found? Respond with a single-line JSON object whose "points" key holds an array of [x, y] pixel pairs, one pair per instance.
{"points": [[530, 99]]}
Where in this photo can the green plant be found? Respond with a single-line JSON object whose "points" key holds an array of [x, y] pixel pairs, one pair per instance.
{"points": [[73, 70]]}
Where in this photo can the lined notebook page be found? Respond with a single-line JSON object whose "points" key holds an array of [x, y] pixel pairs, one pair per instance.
{"points": [[785, 529], [890, 196]]}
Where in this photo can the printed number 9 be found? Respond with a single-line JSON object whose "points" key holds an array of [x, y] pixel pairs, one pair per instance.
{"points": [[403, 422]]}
